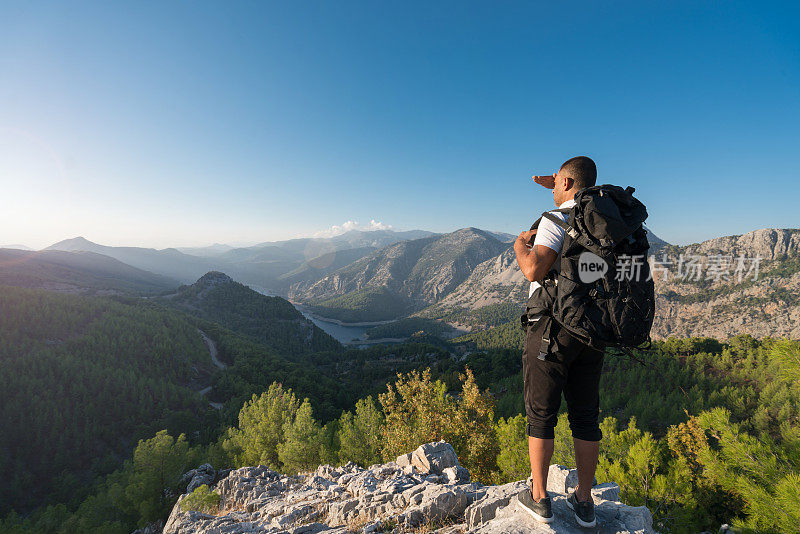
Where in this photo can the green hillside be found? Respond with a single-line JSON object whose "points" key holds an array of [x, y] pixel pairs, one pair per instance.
{"points": [[368, 304], [84, 377], [403, 328], [81, 379], [704, 433], [272, 321]]}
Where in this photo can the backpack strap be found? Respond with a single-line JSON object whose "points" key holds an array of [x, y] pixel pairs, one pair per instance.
{"points": [[544, 346], [562, 224], [574, 234], [535, 225]]}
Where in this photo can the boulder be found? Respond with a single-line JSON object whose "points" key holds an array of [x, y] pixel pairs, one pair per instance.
{"points": [[608, 491], [455, 475], [404, 459], [437, 503], [561, 479], [484, 510], [434, 457], [205, 474]]}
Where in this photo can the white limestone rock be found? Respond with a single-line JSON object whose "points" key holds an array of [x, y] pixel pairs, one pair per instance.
{"points": [[455, 475], [484, 510], [434, 457], [561, 479], [426, 487], [205, 474], [612, 517]]}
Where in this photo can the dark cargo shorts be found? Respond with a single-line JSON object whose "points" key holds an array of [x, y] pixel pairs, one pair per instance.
{"points": [[571, 367]]}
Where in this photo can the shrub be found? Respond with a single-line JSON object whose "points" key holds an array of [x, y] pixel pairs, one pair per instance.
{"points": [[419, 410], [202, 499]]}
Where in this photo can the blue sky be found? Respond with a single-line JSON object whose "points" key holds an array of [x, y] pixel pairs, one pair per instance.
{"points": [[186, 123]]}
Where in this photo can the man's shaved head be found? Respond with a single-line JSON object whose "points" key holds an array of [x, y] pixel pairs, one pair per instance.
{"points": [[582, 170]]}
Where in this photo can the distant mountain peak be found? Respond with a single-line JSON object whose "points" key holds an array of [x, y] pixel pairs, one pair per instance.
{"points": [[76, 243], [653, 239], [213, 278]]}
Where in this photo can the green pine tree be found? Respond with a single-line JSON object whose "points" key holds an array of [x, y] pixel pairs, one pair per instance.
{"points": [[262, 421], [360, 435], [158, 464], [301, 449], [513, 458], [765, 475]]}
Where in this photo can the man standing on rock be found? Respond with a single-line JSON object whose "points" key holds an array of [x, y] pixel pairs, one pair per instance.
{"points": [[559, 362]]}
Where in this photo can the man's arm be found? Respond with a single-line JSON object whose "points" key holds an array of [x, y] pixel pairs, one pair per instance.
{"points": [[536, 261]]}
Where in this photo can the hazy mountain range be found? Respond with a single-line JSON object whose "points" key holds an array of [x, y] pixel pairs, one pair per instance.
{"points": [[270, 265], [468, 277], [82, 272]]}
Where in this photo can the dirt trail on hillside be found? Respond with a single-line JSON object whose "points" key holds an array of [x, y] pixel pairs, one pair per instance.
{"points": [[212, 351]]}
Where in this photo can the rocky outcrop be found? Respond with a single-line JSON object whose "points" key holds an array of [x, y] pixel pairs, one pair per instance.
{"points": [[205, 474], [768, 243], [426, 488], [762, 303]]}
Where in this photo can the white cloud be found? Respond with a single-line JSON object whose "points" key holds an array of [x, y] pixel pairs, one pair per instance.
{"points": [[352, 225]]}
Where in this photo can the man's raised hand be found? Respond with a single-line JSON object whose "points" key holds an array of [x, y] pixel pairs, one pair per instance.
{"points": [[548, 181]]}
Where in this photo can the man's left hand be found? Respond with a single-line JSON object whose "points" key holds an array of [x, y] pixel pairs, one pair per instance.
{"points": [[527, 237]]}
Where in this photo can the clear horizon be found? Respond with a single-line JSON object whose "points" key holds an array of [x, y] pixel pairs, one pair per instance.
{"points": [[182, 125]]}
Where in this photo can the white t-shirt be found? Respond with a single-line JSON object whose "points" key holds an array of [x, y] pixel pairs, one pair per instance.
{"points": [[551, 235]]}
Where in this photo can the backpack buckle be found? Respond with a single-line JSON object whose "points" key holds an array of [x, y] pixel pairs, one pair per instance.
{"points": [[543, 353]]}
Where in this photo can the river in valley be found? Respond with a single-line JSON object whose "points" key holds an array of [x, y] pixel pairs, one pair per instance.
{"points": [[343, 333]]}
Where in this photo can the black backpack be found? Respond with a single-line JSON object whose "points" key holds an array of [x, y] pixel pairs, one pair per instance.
{"points": [[601, 290]]}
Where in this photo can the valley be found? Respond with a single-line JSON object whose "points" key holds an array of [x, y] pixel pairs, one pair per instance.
{"points": [[186, 358]]}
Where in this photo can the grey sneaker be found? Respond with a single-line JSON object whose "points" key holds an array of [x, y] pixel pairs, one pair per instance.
{"points": [[584, 511], [541, 511]]}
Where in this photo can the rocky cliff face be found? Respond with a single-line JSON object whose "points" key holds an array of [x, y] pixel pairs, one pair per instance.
{"points": [[769, 243], [495, 281], [424, 491], [767, 306]]}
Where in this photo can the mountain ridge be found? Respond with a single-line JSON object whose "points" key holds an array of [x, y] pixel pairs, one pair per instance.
{"points": [[168, 262], [418, 272]]}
